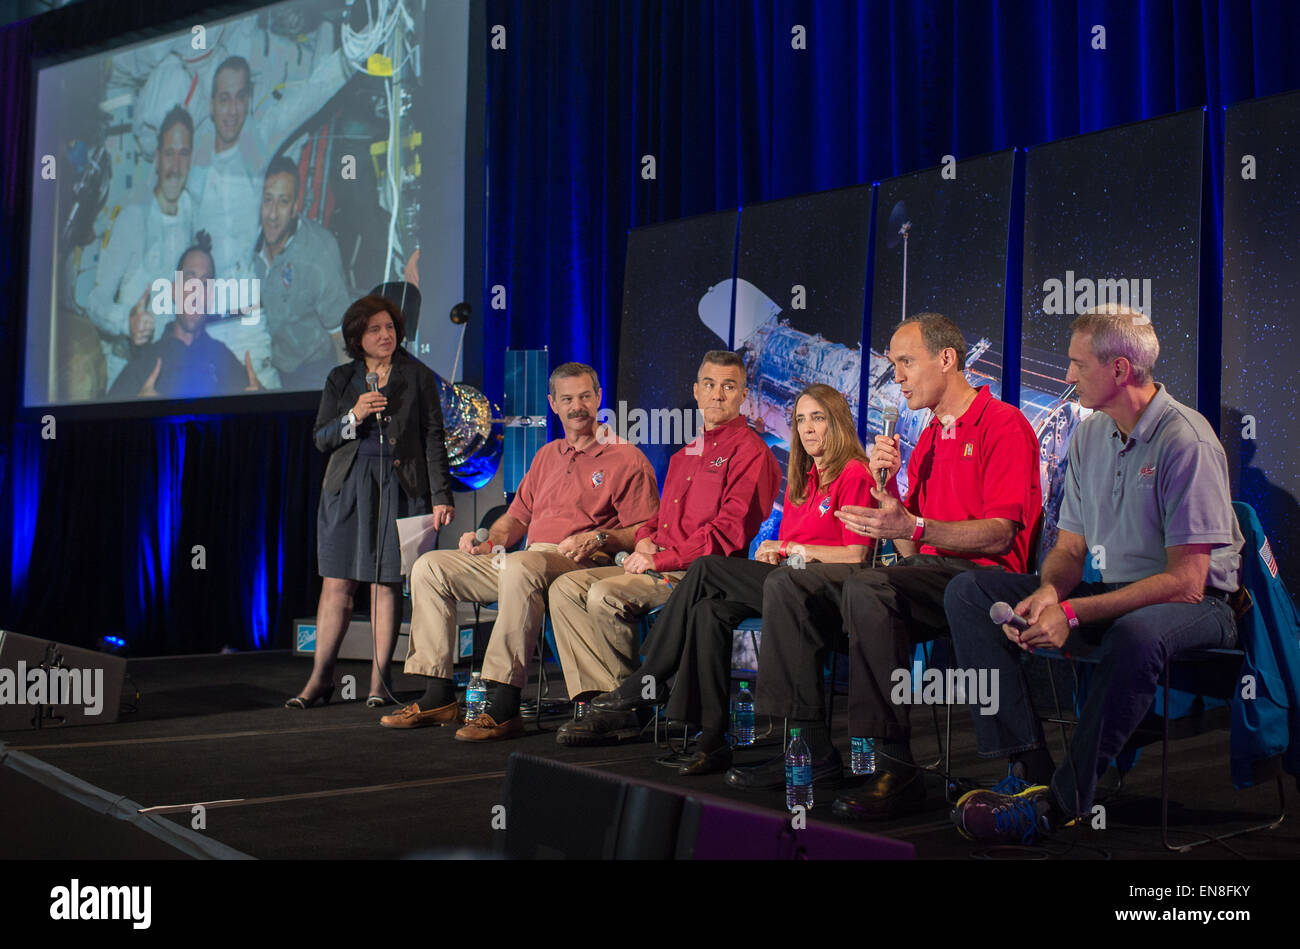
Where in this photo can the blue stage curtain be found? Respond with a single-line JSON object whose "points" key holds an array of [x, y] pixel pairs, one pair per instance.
{"points": [[733, 115]]}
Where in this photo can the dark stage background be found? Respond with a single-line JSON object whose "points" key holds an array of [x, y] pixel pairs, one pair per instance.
{"points": [[1120, 205], [670, 269], [958, 244], [1261, 294], [732, 114]]}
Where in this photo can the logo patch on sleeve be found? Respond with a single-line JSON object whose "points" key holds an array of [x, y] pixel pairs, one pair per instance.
{"points": [[1266, 555]]}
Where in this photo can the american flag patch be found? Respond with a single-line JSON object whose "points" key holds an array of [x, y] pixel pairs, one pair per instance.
{"points": [[1266, 555]]}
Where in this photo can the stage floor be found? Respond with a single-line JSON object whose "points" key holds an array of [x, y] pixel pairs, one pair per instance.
{"points": [[331, 783]]}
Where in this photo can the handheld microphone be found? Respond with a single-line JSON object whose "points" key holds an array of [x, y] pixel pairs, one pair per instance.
{"points": [[889, 418], [622, 556], [1002, 614], [372, 381], [481, 535]]}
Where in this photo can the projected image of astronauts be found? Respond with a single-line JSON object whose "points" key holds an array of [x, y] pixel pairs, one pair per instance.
{"points": [[272, 162]]}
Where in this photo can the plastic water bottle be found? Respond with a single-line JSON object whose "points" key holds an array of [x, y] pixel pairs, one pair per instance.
{"points": [[742, 717], [798, 773], [863, 758], [475, 697]]}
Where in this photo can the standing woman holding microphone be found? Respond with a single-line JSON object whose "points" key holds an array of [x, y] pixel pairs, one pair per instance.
{"points": [[380, 422]]}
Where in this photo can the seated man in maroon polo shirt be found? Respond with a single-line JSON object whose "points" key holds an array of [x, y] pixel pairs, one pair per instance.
{"points": [[719, 490], [582, 500], [973, 501]]}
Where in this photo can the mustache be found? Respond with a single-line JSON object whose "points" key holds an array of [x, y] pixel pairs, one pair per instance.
{"points": [[579, 415]]}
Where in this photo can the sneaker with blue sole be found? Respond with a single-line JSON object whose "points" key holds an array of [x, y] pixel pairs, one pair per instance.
{"points": [[1004, 818]]}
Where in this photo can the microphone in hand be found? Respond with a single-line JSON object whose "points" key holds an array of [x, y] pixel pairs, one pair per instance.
{"points": [[1002, 614], [622, 555], [889, 420]]}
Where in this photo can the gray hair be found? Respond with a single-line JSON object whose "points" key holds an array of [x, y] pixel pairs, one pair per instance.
{"points": [[1117, 330], [571, 370], [723, 357]]}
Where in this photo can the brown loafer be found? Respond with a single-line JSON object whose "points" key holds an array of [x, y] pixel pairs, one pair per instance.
{"points": [[410, 716], [484, 728]]}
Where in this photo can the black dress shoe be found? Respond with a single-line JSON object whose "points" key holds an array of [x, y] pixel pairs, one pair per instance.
{"points": [[770, 775], [708, 762], [613, 702], [883, 795], [599, 727]]}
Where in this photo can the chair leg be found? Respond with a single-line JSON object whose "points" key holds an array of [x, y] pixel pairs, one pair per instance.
{"points": [[830, 691], [934, 713], [541, 677]]}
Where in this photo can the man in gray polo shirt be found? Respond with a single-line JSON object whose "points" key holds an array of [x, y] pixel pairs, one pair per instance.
{"points": [[1146, 499]]}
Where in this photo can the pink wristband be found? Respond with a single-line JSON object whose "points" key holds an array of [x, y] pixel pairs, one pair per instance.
{"points": [[1070, 616]]}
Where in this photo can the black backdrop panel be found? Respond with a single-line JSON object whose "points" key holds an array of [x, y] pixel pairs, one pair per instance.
{"points": [[1121, 207], [676, 307], [957, 232], [1261, 318]]}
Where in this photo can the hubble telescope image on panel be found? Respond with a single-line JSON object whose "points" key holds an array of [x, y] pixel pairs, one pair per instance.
{"points": [[779, 359]]}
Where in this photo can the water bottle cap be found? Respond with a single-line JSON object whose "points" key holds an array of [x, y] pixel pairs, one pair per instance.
{"points": [[796, 732], [744, 684]]}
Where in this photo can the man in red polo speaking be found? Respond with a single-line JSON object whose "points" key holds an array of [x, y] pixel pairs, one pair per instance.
{"points": [[973, 501]]}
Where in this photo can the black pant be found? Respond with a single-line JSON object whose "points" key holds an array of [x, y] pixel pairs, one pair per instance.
{"points": [[692, 636], [883, 612]]}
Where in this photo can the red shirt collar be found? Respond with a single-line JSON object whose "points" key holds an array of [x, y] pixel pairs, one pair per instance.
{"points": [[596, 447], [974, 412]]}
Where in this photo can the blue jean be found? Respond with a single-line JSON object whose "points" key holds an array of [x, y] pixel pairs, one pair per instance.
{"points": [[1130, 652]]}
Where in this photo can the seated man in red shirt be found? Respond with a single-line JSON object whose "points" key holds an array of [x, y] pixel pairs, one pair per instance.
{"points": [[583, 499], [973, 501], [692, 637], [718, 492]]}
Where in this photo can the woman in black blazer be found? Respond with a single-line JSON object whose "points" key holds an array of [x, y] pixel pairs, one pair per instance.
{"points": [[369, 482]]}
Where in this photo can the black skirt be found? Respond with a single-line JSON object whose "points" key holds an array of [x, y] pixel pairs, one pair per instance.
{"points": [[347, 522]]}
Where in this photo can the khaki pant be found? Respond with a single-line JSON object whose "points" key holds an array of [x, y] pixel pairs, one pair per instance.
{"points": [[441, 578], [596, 614]]}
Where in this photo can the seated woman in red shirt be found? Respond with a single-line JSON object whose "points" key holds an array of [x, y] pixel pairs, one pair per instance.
{"points": [[828, 470]]}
